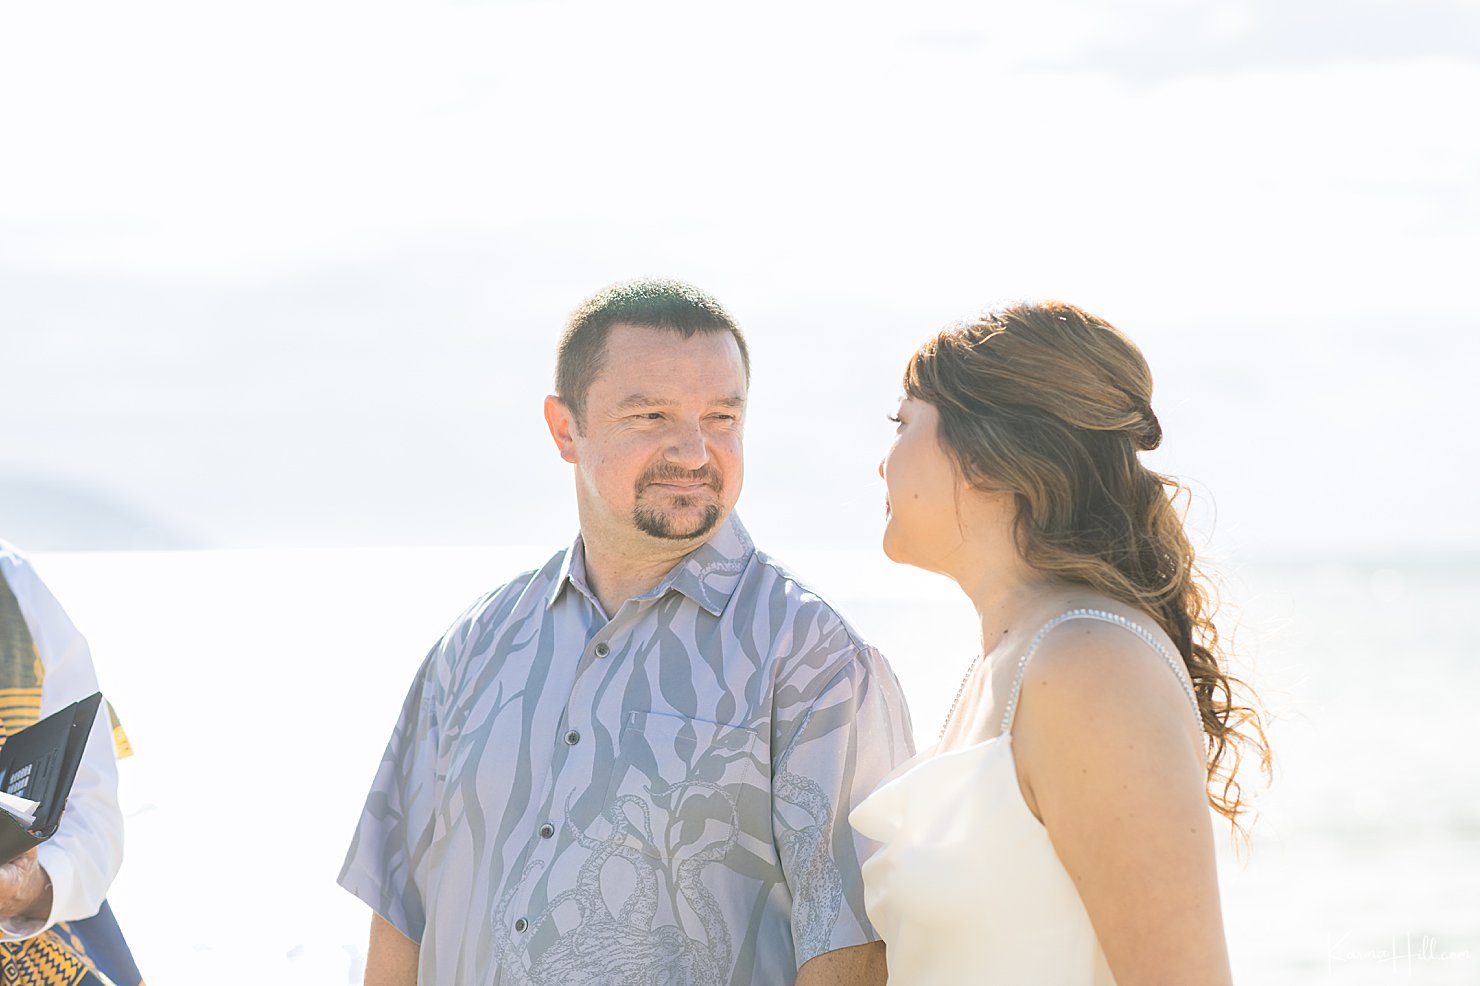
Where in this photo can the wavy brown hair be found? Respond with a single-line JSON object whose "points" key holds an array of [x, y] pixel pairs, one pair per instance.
{"points": [[1053, 404]]}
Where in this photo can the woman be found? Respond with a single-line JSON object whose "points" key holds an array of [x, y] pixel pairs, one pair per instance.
{"points": [[1060, 832]]}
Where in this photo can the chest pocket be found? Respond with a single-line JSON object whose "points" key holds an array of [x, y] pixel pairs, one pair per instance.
{"points": [[682, 787]]}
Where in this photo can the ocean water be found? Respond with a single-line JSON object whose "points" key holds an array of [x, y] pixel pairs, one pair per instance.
{"points": [[258, 688]]}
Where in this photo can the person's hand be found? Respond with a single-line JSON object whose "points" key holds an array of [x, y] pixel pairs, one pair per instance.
{"points": [[25, 889]]}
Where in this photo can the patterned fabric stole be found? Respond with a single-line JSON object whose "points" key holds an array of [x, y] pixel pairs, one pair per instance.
{"points": [[87, 952]]}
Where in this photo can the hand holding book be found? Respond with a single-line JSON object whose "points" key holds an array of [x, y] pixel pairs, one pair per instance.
{"points": [[37, 767], [25, 890]]}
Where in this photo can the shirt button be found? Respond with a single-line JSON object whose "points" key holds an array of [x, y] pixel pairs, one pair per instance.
{"points": [[520, 925], [603, 649], [572, 737], [547, 831]]}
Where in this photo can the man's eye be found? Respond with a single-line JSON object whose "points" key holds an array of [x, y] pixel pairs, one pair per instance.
{"points": [[895, 418]]}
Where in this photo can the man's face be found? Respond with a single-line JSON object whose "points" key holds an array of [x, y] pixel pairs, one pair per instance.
{"points": [[658, 451]]}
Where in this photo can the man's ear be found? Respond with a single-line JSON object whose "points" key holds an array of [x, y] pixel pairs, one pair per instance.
{"points": [[562, 425]]}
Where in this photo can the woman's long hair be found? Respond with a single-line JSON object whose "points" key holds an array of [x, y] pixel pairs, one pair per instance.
{"points": [[1053, 404]]}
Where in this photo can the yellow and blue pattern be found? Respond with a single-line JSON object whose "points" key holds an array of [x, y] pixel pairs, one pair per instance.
{"points": [[91, 951]]}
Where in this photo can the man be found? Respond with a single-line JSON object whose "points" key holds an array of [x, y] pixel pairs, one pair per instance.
{"points": [[55, 926], [636, 764]]}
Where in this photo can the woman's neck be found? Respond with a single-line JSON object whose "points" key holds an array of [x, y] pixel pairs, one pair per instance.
{"points": [[1006, 591]]}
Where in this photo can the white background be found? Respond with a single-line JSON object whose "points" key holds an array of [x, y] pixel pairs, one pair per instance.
{"points": [[290, 273], [287, 277]]}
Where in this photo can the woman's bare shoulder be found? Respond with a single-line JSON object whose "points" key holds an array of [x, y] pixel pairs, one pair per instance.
{"points": [[1100, 677]]}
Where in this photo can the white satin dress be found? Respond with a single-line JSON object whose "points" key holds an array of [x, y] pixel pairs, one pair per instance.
{"points": [[966, 887]]}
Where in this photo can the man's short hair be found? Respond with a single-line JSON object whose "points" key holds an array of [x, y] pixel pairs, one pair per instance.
{"points": [[649, 303]]}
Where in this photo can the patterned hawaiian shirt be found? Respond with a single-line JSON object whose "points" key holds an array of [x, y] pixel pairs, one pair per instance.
{"points": [[658, 797]]}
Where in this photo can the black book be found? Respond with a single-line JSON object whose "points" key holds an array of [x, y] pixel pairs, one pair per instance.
{"points": [[39, 763]]}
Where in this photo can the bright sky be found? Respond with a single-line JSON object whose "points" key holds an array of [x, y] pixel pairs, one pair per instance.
{"points": [[291, 272]]}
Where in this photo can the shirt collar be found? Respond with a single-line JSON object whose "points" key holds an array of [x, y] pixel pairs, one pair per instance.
{"points": [[709, 575], [572, 572]]}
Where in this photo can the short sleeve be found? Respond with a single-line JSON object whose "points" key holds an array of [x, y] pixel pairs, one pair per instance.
{"points": [[854, 732], [385, 863]]}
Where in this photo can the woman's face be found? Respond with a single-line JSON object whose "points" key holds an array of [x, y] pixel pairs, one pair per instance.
{"points": [[923, 526]]}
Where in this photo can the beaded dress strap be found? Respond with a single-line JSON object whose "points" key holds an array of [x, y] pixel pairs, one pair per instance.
{"points": [[1104, 617]]}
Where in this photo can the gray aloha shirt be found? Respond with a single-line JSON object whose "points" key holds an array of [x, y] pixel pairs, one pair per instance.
{"points": [[661, 798]]}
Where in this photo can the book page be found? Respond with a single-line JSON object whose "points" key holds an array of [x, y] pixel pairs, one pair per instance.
{"points": [[21, 809]]}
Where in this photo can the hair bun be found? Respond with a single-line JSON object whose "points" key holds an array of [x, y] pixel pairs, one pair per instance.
{"points": [[1148, 435]]}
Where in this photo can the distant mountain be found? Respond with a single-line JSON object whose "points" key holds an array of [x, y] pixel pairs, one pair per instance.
{"points": [[40, 514]]}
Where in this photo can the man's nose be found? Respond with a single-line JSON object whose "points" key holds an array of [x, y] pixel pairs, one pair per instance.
{"points": [[881, 469], [688, 449]]}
